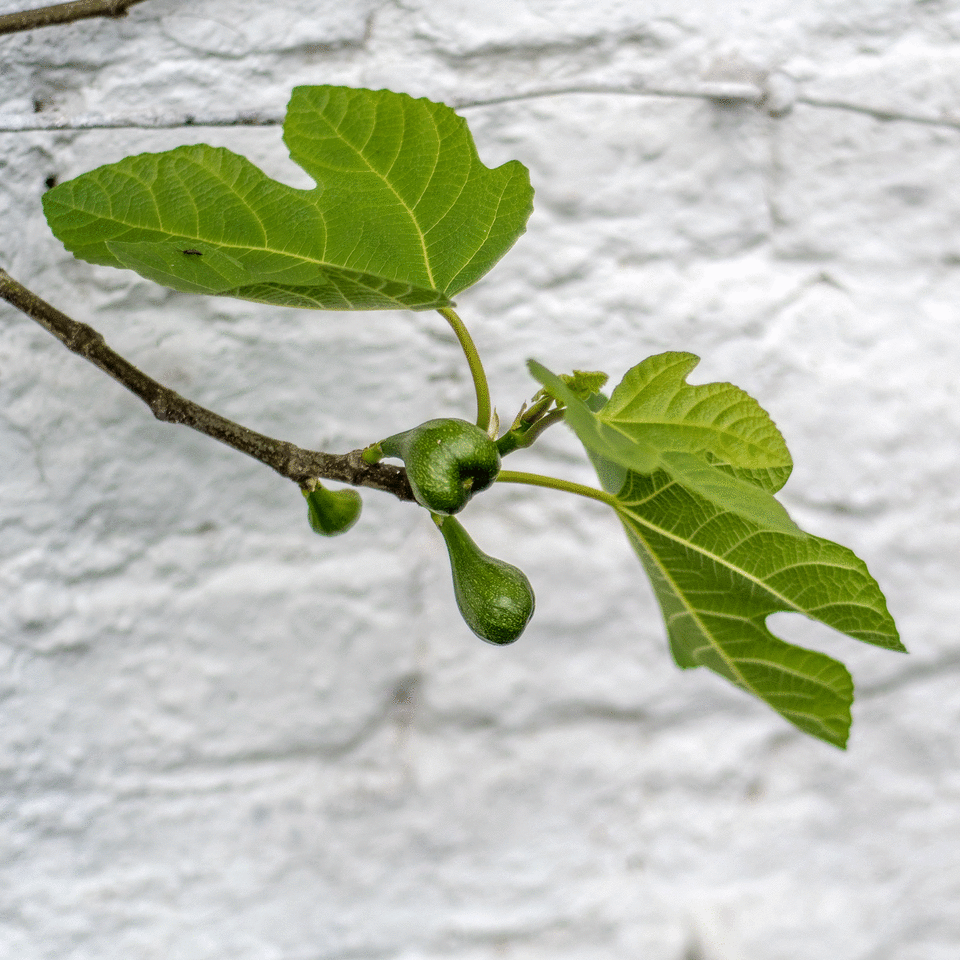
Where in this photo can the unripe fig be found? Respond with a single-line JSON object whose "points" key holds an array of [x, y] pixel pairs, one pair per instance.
{"points": [[332, 512], [447, 462], [495, 598]]}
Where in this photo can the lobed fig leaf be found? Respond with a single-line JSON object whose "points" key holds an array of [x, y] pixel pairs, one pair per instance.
{"points": [[713, 439], [693, 470], [718, 576], [404, 214], [654, 403]]}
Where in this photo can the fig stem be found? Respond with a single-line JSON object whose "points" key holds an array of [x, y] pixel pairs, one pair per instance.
{"points": [[554, 483], [484, 409]]}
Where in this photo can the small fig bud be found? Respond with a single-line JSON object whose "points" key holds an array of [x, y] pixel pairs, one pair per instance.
{"points": [[332, 512]]}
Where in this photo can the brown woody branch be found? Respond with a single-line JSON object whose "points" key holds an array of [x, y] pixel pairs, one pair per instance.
{"points": [[290, 461], [64, 13]]}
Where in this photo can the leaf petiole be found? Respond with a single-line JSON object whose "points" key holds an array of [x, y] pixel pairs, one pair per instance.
{"points": [[527, 432], [554, 483], [484, 409]]}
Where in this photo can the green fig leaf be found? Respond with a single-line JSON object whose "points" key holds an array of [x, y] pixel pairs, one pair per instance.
{"points": [[685, 446], [404, 214], [653, 403], [692, 471], [718, 576]]}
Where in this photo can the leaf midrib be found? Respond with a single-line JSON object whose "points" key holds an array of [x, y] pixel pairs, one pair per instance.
{"points": [[223, 245], [694, 615], [220, 245], [392, 189], [732, 663], [739, 571]]}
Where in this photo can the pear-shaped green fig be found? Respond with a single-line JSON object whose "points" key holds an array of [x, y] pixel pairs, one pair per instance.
{"points": [[447, 462], [332, 512], [495, 598]]}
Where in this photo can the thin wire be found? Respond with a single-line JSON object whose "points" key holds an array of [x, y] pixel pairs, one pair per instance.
{"points": [[728, 92], [717, 92]]}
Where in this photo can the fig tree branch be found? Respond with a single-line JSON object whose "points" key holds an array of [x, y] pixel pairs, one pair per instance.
{"points": [[287, 459], [63, 13]]}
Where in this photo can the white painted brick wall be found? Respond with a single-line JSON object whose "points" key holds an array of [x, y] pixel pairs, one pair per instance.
{"points": [[223, 738]]}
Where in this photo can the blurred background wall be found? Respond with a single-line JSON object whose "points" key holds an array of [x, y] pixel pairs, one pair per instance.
{"points": [[224, 737]]}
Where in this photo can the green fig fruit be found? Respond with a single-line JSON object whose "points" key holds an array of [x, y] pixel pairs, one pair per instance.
{"points": [[495, 598], [332, 512], [447, 462]]}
